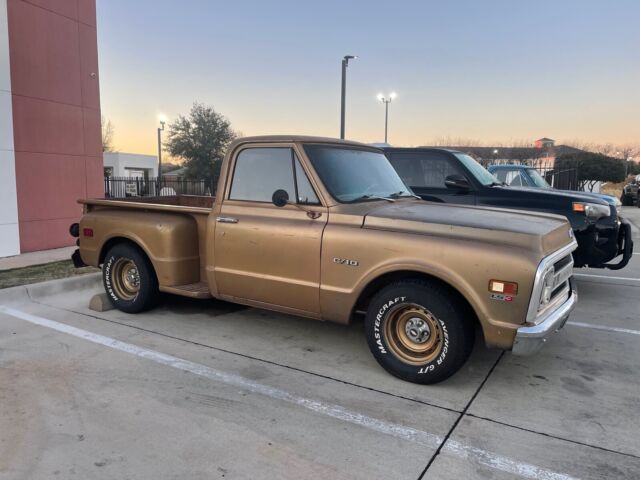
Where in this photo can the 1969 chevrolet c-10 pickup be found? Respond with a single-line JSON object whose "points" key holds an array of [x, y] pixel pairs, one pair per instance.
{"points": [[326, 229]]}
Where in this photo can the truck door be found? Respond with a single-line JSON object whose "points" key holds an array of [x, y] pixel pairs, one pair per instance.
{"points": [[266, 253], [425, 173]]}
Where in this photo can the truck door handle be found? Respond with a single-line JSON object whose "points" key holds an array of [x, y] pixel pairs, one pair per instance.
{"points": [[226, 220]]}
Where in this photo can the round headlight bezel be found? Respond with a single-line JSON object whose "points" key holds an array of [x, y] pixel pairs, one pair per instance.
{"points": [[547, 286]]}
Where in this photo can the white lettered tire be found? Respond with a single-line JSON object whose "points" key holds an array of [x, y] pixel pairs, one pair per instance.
{"points": [[129, 279], [419, 331]]}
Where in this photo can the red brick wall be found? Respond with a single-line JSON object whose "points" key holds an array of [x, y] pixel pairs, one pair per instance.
{"points": [[56, 115]]}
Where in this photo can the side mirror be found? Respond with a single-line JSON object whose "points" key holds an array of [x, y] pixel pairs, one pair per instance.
{"points": [[457, 182], [280, 198]]}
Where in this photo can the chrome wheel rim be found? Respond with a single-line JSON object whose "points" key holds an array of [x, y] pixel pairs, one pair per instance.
{"points": [[126, 279], [413, 334]]}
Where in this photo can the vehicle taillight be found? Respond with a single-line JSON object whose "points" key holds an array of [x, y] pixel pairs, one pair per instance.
{"points": [[87, 232]]}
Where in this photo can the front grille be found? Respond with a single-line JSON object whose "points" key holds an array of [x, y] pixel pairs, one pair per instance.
{"points": [[561, 288], [559, 285]]}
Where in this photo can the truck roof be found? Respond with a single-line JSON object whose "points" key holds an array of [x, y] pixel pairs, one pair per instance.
{"points": [[509, 166], [420, 149], [294, 138]]}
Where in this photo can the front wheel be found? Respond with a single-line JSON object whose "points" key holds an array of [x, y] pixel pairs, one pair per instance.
{"points": [[627, 200], [129, 279], [418, 331]]}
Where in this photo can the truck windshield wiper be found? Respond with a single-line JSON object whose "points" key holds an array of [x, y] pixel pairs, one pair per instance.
{"points": [[367, 197], [399, 194]]}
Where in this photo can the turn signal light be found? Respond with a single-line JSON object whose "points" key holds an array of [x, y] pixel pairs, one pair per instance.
{"points": [[579, 207], [500, 286]]}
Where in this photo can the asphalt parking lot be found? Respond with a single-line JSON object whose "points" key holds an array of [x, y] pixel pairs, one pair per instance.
{"points": [[212, 390]]}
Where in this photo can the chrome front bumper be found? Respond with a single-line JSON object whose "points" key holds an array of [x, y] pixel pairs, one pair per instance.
{"points": [[530, 339]]}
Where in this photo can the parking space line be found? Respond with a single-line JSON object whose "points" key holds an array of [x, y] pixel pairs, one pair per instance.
{"points": [[603, 327], [477, 455], [606, 277]]}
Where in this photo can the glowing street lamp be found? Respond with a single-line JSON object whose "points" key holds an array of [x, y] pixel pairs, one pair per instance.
{"points": [[386, 100]]}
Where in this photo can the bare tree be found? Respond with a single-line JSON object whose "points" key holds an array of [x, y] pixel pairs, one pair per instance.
{"points": [[623, 151], [107, 134], [449, 141], [628, 152]]}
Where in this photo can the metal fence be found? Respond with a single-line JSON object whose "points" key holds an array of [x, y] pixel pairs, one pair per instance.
{"points": [[566, 179], [563, 179], [121, 187]]}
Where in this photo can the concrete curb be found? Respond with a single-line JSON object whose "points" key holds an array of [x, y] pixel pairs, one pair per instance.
{"points": [[38, 291]]}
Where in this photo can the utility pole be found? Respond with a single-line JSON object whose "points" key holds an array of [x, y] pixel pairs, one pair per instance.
{"points": [[345, 64], [159, 183]]}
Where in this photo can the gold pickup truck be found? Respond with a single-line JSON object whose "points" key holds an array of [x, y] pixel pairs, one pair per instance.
{"points": [[326, 229]]}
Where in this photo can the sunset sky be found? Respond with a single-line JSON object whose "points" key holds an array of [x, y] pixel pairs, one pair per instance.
{"points": [[487, 70]]}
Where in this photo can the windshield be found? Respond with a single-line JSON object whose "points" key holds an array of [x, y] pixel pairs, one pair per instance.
{"points": [[352, 175], [538, 179], [477, 170]]}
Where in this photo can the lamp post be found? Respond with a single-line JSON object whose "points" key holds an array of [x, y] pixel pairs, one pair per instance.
{"points": [[386, 100], [345, 64], [160, 130]]}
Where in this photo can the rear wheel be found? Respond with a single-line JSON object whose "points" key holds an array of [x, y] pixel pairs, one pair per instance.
{"points": [[418, 331], [129, 279]]}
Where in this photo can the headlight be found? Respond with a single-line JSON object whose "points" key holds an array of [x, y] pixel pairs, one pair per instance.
{"points": [[547, 287], [594, 211]]}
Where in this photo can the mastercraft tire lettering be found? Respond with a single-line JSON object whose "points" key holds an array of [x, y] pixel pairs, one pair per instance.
{"points": [[129, 279], [418, 331]]}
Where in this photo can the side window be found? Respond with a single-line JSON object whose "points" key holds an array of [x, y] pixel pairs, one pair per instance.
{"points": [[306, 195], [408, 167], [436, 169], [514, 178], [501, 174], [423, 170], [261, 171]]}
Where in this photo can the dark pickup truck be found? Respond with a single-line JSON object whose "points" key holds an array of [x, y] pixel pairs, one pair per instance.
{"points": [[449, 176], [630, 192]]}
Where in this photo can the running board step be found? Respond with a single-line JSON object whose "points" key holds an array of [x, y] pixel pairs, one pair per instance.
{"points": [[193, 290]]}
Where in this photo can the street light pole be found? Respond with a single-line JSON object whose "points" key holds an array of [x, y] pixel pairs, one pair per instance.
{"points": [[160, 129], [345, 64], [386, 101]]}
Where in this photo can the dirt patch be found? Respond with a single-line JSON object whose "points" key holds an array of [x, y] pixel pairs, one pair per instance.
{"points": [[41, 273], [614, 189]]}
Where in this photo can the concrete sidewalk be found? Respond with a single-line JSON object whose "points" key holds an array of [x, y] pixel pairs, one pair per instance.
{"points": [[36, 258]]}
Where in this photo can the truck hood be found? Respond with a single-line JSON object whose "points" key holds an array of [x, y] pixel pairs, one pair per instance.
{"points": [[610, 199], [542, 232], [567, 194]]}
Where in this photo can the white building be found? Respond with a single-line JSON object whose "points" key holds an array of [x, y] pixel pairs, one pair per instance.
{"points": [[133, 165]]}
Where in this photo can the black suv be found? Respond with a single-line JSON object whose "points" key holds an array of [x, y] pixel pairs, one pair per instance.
{"points": [[443, 175]]}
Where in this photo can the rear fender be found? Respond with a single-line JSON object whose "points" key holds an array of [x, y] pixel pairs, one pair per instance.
{"points": [[169, 240]]}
